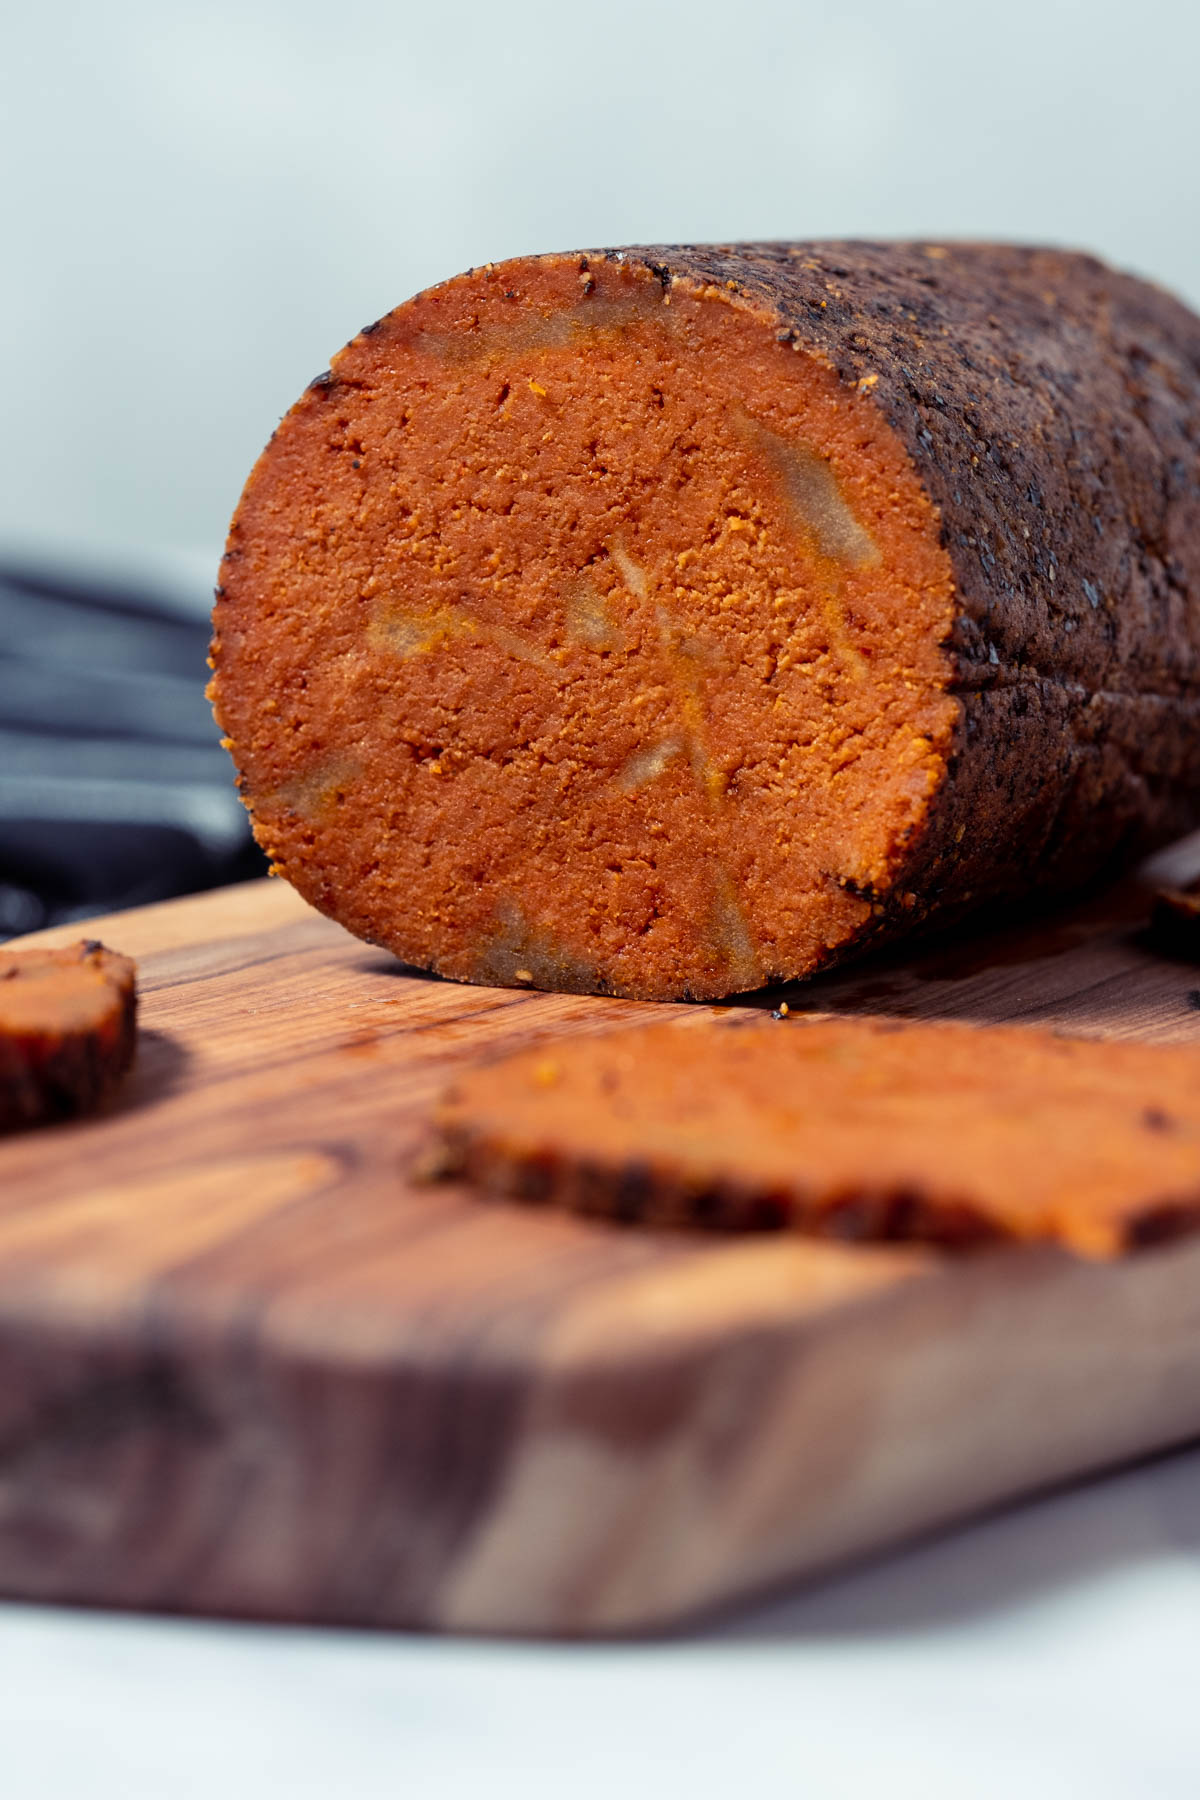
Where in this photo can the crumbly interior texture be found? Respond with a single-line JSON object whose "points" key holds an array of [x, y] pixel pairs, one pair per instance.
{"points": [[855, 1129], [68, 1030], [618, 623]]}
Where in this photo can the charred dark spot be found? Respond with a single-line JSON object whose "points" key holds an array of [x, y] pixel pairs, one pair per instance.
{"points": [[859, 890], [768, 1212], [1159, 1227], [708, 1206], [534, 1181], [635, 1190]]}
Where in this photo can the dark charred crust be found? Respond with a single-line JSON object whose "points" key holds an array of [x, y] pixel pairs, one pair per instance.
{"points": [[860, 890], [633, 1193], [533, 1181], [1162, 1225], [710, 1207], [1175, 922], [322, 383]]}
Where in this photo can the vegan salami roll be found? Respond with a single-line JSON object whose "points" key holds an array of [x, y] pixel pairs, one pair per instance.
{"points": [[664, 622]]}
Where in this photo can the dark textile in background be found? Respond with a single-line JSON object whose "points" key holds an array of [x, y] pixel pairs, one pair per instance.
{"points": [[114, 790]]}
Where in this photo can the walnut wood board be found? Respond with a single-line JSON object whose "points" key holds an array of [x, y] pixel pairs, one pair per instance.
{"points": [[246, 1368]]}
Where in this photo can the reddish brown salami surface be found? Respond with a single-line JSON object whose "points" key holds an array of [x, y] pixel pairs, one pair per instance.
{"points": [[68, 1030], [664, 622], [846, 1128]]}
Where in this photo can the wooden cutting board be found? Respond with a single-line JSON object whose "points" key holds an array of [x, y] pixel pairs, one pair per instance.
{"points": [[246, 1369]]}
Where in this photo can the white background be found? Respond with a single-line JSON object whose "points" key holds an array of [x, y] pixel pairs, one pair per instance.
{"points": [[201, 202], [198, 205]]}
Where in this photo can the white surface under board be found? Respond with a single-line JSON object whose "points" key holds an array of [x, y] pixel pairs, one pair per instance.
{"points": [[1049, 1653]]}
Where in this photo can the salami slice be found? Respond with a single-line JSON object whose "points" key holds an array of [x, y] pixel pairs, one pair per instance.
{"points": [[847, 1128], [68, 1030]]}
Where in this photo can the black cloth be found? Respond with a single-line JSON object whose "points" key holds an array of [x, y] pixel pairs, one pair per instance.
{"points": [[114, 790]]}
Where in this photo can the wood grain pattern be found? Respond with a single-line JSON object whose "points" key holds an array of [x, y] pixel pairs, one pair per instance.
{"points": [[245, 1368]]}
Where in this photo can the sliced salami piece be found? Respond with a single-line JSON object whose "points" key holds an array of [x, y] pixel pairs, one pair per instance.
{"points": [[68, 1030], [863, 1129]]}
